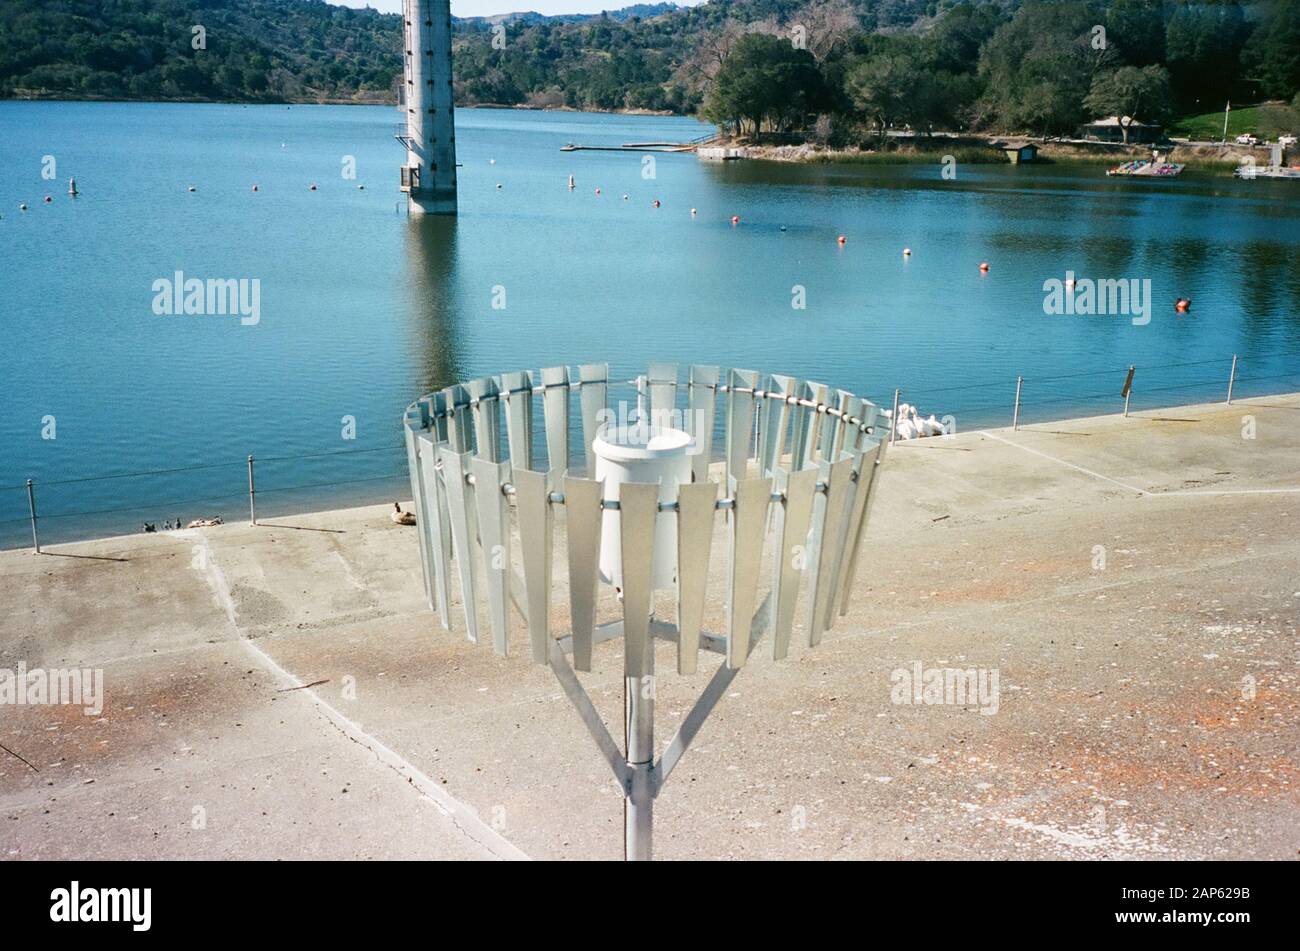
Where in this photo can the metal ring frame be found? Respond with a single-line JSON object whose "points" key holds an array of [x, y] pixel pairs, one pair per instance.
{"points": [[798, 461]]}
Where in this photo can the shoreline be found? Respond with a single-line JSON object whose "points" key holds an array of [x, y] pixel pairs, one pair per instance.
{"points": [[1218, 160], [382, 507]]}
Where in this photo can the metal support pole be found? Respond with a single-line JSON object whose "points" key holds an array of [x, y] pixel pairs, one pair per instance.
{"points": [[1232, 377], [639, 724], [893, 420], [31, 505], [1015, 415], [252, 492]]}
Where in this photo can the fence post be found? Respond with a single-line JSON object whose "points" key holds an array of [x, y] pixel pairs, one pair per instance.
{"points": [[1128, 389], [31, 505], [1232, 376], [252, 492], [1015, 416], [893, 420]]}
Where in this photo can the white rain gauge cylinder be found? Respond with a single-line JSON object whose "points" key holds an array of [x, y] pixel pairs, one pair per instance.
{"points": [[641, 453]]}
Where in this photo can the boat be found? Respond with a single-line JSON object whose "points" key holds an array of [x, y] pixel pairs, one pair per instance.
{"points": [[1267, 171], [1145, 168]]}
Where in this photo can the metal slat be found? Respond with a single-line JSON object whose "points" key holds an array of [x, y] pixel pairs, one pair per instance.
{"points": [[830, 542], [555, 406], [702, 395], [517, 392], [802, 427], [457, 418], [583, 516], [638, 507], [871, 462], [459, 503], [533, 507], [593, 395], [485, 408], [415, 421], [819, 393], [436, 530], [792, 551], [740, 422], [747, 520], [851, 438], [494, 533], [772, 422], [696, 504]]}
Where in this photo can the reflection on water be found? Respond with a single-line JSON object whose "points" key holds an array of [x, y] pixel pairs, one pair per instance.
{"points": [[431, 258]]}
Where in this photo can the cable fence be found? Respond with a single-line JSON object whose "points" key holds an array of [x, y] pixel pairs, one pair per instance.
{"points": [[36, 512], [157, 500], [1044, 398]]}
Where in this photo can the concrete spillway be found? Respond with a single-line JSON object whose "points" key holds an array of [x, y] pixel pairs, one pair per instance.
{"points": [[428, 129]]}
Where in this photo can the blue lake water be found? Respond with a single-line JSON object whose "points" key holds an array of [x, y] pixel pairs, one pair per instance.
{"points": [[362, 308]]}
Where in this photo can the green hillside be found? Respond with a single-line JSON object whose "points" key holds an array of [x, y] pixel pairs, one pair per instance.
{"points": [[837, 68]]}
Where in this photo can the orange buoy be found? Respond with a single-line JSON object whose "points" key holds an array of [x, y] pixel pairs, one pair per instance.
{"points": [[841, 239], [984, 266], [735, 219], [1182, 305]]}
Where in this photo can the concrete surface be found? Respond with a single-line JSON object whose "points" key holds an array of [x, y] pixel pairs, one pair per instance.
{"points": [[1147, 708]]}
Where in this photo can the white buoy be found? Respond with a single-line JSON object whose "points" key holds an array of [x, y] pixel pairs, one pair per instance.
{"points": [[72, 187], [570, 182]]}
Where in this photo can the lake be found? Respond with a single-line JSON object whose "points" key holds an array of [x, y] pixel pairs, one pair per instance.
{"points": [[362, 309]]}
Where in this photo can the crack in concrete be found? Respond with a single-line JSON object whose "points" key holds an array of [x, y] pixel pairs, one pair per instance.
{"points": [[462, 816]]}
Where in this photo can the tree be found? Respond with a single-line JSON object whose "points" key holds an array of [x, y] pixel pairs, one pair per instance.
{"points": [[1037, 67], [1137, 28], [1273, 51], [1203, 49], [890, 88], [765, 79], [1130, 92]]}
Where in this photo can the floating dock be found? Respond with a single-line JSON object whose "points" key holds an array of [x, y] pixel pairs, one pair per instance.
{"points": [[1146, 169]]}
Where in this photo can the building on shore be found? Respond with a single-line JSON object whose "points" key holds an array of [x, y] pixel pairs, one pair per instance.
{"points": [[1111, 129], [1018, 151]]}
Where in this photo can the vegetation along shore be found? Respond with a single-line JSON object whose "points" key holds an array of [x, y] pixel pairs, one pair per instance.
{"points": [[839, 70]]}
